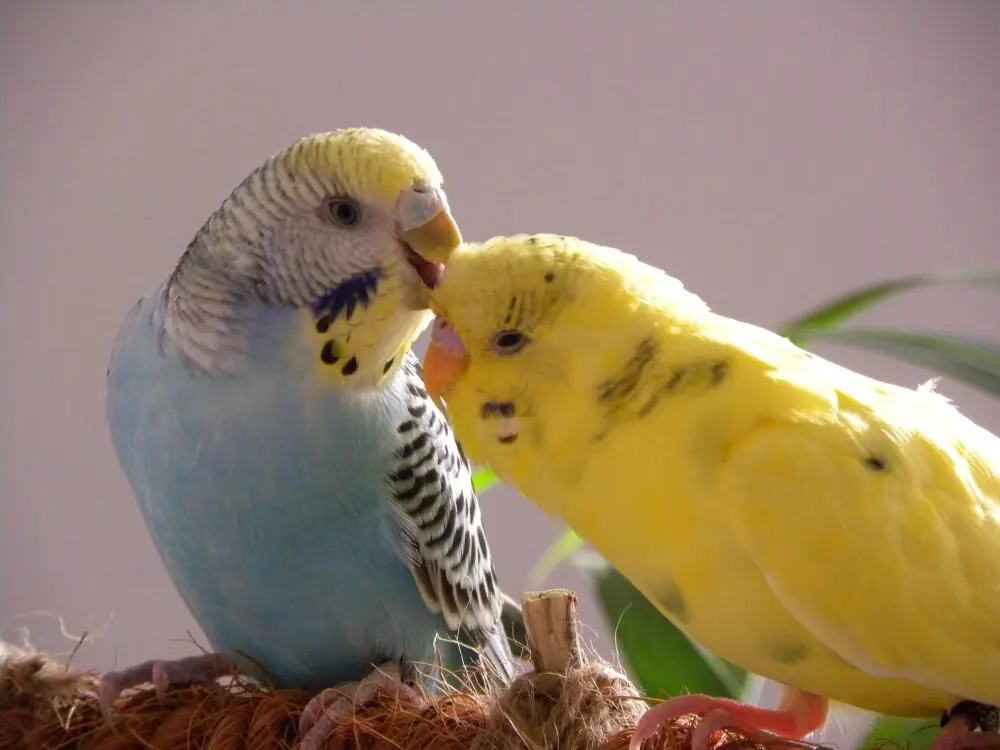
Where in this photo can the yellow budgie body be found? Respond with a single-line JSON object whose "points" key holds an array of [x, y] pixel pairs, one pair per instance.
{"points": [[834, 533]]}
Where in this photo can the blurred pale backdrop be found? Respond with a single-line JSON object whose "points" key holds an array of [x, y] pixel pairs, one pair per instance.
{"points": [[769, 155]]}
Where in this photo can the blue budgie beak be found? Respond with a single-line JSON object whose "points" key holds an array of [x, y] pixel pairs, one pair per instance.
{"points": [[428, 230]]}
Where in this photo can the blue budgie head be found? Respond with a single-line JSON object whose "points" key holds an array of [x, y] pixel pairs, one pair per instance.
{"points": [[342, 233]]}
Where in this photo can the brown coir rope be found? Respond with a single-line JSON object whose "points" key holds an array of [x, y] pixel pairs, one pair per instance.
{"points": [[566, 702]]}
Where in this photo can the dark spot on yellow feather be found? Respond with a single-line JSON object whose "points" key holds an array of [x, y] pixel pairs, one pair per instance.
{"points": [[789, 653], [719, 372], [350, 366], [647, 407], [511, 308], [550, 277], [694, 377], [508, 439], [621, 386], [875, 463], [329, 354], [672, 600], [670, 385]]}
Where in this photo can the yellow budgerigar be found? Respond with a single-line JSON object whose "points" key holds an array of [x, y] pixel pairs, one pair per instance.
{"points": [[834, 533]]}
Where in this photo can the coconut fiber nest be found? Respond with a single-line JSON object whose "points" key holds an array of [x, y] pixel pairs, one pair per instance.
{"points": [[567, 702]]}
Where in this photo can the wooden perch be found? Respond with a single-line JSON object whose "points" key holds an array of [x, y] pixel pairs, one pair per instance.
{"points": [[553, 630]]}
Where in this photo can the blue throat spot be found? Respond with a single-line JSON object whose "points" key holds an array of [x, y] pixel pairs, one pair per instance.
{"points": [[344, 299]]}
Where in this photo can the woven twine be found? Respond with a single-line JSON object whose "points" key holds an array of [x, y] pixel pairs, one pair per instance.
{"points": [[566, 702]]}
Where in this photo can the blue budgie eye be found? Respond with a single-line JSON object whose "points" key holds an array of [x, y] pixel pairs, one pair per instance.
{"points": [[343, 211]]}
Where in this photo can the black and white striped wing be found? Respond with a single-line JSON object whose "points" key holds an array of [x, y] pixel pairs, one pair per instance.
{"points": [[441, 526]]}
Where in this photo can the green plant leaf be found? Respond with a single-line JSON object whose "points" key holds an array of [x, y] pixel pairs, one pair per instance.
{"points": [[890, 732], [659, 657], [484, 480], [842, 309], [560, 550], [976, 363]]}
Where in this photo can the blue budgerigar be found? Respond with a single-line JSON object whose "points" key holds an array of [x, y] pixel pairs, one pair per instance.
{"points": [[309, 501]]}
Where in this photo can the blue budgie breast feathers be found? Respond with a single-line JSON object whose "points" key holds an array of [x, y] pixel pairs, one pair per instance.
{"points": [[309, 501]]}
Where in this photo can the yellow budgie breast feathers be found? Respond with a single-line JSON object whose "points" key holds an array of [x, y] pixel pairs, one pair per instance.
{"points": [[832, 532]]}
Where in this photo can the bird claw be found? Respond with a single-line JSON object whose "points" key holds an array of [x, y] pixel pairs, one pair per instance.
{"points": [[801, 714], [702, 734], [963, 738], [960, 725], [323, 712], [201, 669], [721, 720], [715, 721]]}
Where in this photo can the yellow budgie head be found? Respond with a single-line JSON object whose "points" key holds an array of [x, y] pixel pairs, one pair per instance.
{"points": [[527, 328], [351, 228]]}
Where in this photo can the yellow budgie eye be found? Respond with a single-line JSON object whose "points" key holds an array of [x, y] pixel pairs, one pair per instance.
{"points": [[343, 211], [509, 342]]}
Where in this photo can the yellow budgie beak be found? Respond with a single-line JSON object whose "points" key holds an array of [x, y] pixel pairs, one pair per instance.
{"points": [[428, 229], [445, 362]]}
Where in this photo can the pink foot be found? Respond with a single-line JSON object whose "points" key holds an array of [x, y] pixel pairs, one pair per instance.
{"points": [[800, 714], [200, 669], [961, 723], [323, 712]]}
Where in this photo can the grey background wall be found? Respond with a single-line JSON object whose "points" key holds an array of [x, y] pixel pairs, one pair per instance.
{"points": [[769, 156]]}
